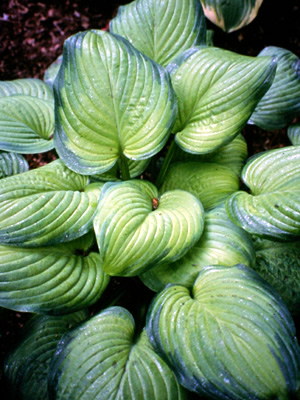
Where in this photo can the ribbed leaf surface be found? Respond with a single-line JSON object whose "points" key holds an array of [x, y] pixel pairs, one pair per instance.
{"points": [[281, 103], [161, 29], [47, 205], [112, 101], [197, 177], [26, 124], [231, 15], [49, 279], [27, 86], [222, 243], [217, 91], [100, 360], [12, 164], [230, 338], [132, 236], [294, 133], [26, 368], [272, 209]]}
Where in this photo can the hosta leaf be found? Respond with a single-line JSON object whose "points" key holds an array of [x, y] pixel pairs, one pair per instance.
{"points": [[161, 29], [272, 209], [47, 205], [222, 243], [233, 155], [217, 91], [101, 359], [232, 337], [136, 168], [279, 264], [52, 71], [12, 164], [196, 177], [27, 366], [26, 86], [112, 102], [231, 15], [53, 280], [26, 124], [281, 103], [294, 134], [133, 235]]}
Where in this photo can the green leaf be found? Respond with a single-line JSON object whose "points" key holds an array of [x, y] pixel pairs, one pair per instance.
{"points": [[52, 71], [161, 29], [26, 367], [26, 124], [217, 92], [231, 15], [272, 209], [281, 103], [112, 103], [196, 177], [12, 164], [233, 155], [231, 337], [294, 133], [50, 280], [133, 235], [222, 243], [26, 86], [47, 205], [102, 359], [136, 168]]}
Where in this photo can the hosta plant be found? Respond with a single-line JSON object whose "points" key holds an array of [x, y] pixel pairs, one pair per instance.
{"points": [[152, 192]]}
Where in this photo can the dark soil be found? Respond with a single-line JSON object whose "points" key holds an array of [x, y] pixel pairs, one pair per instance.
{"points": [[32, 35]]}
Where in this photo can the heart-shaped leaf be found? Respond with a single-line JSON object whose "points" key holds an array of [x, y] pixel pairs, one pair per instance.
{"points": [[217, 91], [102, 359], [26, 368], [161, 29], [26, 124], [27, 86], [53, 280], [281, 103], [112, 103], [232, 337], [272, 209], [222, 243], [47, 205], [136, 229], [12, 164], [196, 177]]}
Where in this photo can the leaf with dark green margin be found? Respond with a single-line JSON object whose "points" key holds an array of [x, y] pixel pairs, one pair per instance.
{"points": [[294, 133], [102, 359], [51, 280], [197, 177], [272, 209], [233, 155], [46, 206], [281, 103], [12, 164], [231, 337], [217, 91], [133, 236], [112, 102], [222, 243], [231, 15], [27, 365], [161, 29]]}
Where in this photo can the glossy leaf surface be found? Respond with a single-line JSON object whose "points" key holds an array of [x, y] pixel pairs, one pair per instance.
{"points": [[112, 102], [217, 91], [102, 360], [230, 337], [133, 236], [47, 205], [161, 29]]}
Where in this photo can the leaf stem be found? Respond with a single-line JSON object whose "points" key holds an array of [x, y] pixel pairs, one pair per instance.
{"points": [[166, 163], [124, 168]]}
